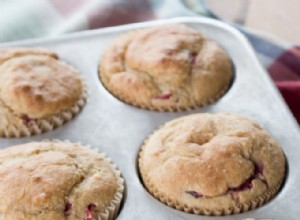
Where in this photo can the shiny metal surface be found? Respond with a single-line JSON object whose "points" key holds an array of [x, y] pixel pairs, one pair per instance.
{"points": [[118, 129]]}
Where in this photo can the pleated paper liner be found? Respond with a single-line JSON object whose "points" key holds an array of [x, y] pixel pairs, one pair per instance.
{"points": [[37, 126], [149, 106], [235, 209], [112, 210]]}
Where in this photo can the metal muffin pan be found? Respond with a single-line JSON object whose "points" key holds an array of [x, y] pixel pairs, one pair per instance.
{"points": [[118, 129]]}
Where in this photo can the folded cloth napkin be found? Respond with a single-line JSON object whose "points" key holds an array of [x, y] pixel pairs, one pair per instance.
{"points": [[39, 18]]}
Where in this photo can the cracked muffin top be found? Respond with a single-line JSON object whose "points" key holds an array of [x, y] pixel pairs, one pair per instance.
{"points": [[35, 83], [212, 164], [55, 181], [168, 68]]}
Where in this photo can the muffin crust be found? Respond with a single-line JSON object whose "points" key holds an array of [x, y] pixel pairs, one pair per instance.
{"points": [[167, 68], [55, 181]]}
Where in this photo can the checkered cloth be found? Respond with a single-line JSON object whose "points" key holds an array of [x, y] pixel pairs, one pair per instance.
{"points": [[40, 18]]}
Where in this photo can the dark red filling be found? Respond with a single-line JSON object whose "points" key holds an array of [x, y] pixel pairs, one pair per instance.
{"points": [[68, 208], [89, 209], [258, 169], [195, 194], [26, 119], [192, 57], [164, 96], [246, 185]]}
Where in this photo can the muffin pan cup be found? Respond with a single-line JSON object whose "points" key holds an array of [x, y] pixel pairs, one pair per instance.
{"points": [[180, 205], [118, 129]]}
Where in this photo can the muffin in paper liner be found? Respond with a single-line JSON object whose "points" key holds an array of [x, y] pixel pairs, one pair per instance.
{"points": [[32, 100], [27, 127], [245, 166], [166, 68], [95, 192]]}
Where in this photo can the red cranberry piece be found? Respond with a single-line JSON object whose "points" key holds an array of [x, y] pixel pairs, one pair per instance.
{"points": [[89, 215], [164, 96], [68, 208], [26, 119], [246, 185], [89, 209], [195, 194], [258, 169]]}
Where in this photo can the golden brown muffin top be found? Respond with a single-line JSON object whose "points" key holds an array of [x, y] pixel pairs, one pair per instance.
{"points": [[54, 181], [35, 84], [168, 67], [211, 162]]}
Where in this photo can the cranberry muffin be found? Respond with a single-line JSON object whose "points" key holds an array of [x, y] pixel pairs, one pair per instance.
{"points": [[166, 68], [38, 92], [212, 164], [57, 181]]}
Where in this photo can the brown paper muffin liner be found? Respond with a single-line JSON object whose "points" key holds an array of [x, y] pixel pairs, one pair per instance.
{"points": [[38, 126], [149, 106], [113, 208], [243, 207]]}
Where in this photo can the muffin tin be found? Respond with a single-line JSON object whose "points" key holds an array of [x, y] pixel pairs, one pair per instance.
{"points": [[119, 130]]}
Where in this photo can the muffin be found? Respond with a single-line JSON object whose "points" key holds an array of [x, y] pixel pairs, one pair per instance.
{"points": [[212, 164], [38, 92], [166, 68], [57, 181]]}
